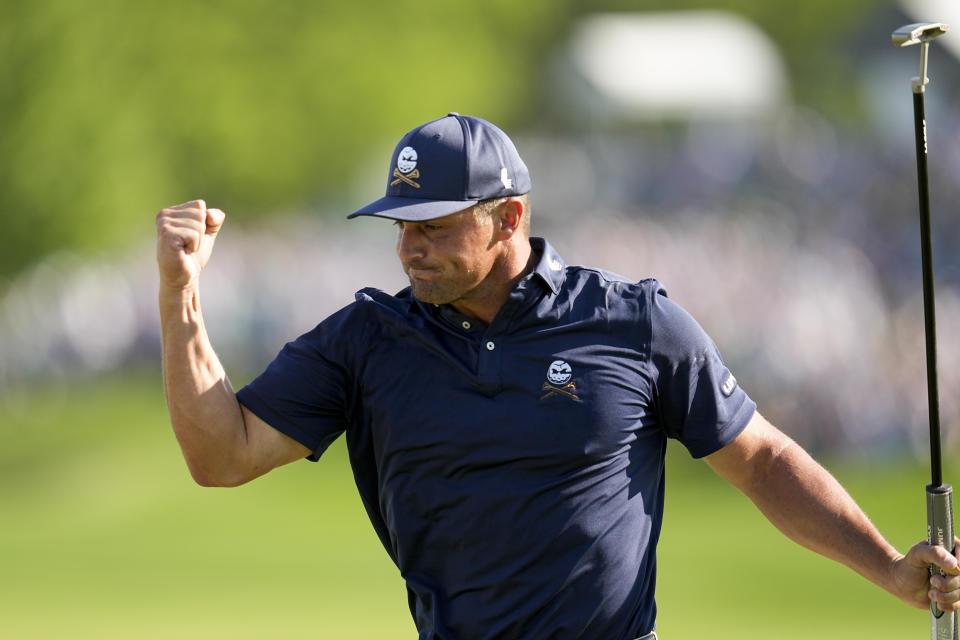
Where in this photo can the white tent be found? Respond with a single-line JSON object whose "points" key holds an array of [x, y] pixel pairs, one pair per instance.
{"points": [[677, 65]]}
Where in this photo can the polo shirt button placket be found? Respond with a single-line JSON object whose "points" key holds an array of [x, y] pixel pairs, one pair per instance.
{"points": [[489, 367]]}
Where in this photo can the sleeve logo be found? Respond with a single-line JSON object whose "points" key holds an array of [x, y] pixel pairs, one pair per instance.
{"points": [[728, 385]]}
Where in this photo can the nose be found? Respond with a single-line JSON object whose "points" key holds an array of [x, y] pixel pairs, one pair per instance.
{"points": [[409, 242]]}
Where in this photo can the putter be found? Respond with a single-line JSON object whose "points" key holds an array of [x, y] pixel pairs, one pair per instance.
{"points": [[943, 626]]}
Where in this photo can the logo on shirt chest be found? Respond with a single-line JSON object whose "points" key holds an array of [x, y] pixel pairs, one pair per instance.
{"points": [[559, 381]]}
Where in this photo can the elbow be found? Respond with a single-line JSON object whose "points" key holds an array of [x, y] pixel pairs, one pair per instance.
{"points": [[205, 480], [207, 477], [215, 466]]}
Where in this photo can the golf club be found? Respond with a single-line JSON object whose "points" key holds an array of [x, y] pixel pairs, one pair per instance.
{"points": [[939, 495]]}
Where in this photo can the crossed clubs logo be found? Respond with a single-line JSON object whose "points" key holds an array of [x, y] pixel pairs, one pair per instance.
{"points": [[559, 381], [406, 169]]}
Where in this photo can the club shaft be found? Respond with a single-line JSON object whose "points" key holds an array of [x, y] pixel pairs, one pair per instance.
{"points": [[929, 306]]}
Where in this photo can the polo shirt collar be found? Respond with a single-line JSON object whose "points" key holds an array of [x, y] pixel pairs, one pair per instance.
{"points": [[550, 268]]}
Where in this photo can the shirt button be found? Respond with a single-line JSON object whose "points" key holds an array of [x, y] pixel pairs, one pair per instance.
{"points": [[491, 346], [465, 324]]}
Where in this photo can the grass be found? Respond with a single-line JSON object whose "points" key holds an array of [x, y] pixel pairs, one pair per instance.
{"points": [[725, 572], [105, 536]]}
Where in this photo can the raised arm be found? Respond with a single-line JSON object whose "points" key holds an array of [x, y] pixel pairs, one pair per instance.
{"points": [[807, 504], [223, 443]]}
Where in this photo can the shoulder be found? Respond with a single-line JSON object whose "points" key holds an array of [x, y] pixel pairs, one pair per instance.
{"points": [[372, 313], [598, 276], [616, 293], [372, 299], [668, 327], [371, 303], [579, 276], [673, 328]]}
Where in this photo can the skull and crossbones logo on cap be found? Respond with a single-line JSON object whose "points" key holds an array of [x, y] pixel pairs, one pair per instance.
{"points": [[406, 169]]}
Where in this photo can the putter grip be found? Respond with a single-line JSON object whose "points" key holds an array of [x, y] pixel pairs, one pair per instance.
{"points": [[943, 626]]}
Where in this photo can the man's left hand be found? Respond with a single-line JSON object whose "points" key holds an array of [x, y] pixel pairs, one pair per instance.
{"points": [[917, 587]]}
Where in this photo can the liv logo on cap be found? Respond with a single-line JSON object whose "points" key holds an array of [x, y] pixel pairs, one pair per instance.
{"points": [[447, 165]]}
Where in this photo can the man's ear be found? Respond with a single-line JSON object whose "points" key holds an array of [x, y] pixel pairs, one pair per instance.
{"points": [[510, 214]]}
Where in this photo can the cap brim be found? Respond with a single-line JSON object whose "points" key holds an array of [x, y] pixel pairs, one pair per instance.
{"points": [[412, 209]]}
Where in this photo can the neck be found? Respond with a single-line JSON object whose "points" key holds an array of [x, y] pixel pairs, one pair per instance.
{"points": [[485, 301]]}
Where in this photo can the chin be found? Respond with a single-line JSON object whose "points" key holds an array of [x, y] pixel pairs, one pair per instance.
{"points": [[433, 292]]}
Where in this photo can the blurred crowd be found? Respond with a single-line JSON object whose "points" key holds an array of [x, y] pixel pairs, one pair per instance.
{"points": [[796, 247]]}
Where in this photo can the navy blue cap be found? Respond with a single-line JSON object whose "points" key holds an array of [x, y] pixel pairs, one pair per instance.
{"points": [[447, 165]]}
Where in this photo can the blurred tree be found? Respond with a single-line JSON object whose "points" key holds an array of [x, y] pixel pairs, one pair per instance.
{"points": [[112, 109]]}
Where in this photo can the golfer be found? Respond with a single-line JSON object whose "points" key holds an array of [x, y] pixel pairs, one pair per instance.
{"points": [[507, 414]]}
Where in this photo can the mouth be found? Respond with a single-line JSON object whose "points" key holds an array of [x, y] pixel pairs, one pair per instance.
{"points": [[421, 273]]}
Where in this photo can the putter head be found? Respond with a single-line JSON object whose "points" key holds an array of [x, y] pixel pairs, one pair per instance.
{"points": [[918, 32]]}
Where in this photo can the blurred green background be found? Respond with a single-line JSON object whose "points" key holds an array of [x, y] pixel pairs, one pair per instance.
{"points": [[113, 108], [105, 536], [284, 114]]}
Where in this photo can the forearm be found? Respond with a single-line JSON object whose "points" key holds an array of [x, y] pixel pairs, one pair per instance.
{"points": [[808, 505], [805, 502], [204, 411]]}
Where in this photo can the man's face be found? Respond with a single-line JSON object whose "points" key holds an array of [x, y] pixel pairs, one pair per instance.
{"points": [[447, 259]]}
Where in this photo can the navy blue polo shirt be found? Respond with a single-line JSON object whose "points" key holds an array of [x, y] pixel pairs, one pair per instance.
{"points": [[514, 473]]}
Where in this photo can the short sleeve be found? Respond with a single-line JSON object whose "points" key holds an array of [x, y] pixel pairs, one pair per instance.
{"points": [[305, 391], [699, 401]]}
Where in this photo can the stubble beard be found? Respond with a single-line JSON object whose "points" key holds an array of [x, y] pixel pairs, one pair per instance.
{"points": [[431, 292], [435, 292], [440, 290]]}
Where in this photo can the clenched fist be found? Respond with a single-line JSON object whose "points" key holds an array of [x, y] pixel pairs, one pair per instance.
{"points": [[185, 237]]}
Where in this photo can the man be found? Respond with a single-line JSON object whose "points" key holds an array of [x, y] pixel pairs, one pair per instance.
{"points": [[506, 415]]}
